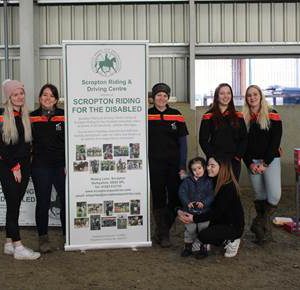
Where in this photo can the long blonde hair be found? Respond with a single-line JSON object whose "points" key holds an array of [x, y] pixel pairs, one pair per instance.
{"points": [[10, 132], [263, 115]]}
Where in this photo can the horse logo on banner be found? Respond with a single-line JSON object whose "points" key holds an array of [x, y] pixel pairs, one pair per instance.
{"points": [[106, 62]]}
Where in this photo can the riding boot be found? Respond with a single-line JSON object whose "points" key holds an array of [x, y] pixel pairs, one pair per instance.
{"points": [[269, 211], [258, 223], [166, 224], [157, 213], [44, 244]]}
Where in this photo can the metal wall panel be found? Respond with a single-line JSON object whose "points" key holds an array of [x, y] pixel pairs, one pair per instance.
{"points": [[171, 70], [247, 22], [160, 23], [13, 25]]}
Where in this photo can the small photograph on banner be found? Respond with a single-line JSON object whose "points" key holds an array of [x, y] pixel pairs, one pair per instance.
{"points": [[135, 220], [95, 222]]}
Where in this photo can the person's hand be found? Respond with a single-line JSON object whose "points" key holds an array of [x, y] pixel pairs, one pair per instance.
{"points": [[18, 176], [191, 205], [182, 174], [261, 168], [254, 168], [199, 204], [185, 217]]}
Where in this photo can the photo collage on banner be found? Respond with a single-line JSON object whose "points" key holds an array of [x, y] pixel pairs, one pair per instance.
{"points": [[106, 110]]}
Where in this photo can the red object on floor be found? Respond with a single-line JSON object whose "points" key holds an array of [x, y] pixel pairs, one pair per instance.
{"points": [[292, 228]]}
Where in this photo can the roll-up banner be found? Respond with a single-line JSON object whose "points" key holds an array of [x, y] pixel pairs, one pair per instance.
{"points": [[106, 144], [27, 209]]}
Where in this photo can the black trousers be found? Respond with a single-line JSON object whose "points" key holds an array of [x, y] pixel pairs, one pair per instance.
{"points": [[43, 179], [164, 183], [217, 234], [13, 193]]}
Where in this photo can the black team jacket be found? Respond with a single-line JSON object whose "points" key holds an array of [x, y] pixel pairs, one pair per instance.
{"points": [[264, 144], [48, 133], [13, 154], [225, 140], [165, 129]]}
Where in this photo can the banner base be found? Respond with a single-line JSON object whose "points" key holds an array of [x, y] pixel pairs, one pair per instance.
{"points": [[107, 246]]}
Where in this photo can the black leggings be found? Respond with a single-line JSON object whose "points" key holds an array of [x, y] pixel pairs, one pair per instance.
{"points": [[217, 234], [13, 193]]}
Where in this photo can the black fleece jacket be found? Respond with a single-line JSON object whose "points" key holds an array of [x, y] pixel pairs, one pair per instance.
{"points": [[48, 134], [226, 209], [223, 141], [13, 154], [264, 144]]}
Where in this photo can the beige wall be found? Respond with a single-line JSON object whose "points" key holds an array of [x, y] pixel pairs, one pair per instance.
{"points": [[291, 138]]}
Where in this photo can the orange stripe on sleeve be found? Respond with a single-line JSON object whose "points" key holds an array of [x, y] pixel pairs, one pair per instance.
{"points": [[58, 119], [36, 119], [1, 119], [274, 117], [153, 117], [240, 114], [207, 116], [178, 118]]}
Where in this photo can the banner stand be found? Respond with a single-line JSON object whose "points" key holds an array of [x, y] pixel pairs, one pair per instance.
{"points": [[107, 185]]}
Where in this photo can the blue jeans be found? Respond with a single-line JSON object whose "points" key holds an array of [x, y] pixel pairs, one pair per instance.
{"points": [[43, 179], [267, 186]]}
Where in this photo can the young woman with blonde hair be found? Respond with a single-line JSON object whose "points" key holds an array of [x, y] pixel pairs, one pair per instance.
{"points": [[15, 145], [262, 159]]}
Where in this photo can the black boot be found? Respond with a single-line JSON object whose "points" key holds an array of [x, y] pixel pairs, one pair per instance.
{"points": [[258, 222], [157, 214], [269, 211], [187, 250], [166, 224]]}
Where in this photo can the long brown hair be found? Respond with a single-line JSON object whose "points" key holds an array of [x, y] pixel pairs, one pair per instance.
{"points": [[217, 114], [225, 175]]}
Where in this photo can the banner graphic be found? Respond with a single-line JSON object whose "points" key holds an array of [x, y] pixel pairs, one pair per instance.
{"points": [[106, 144]]}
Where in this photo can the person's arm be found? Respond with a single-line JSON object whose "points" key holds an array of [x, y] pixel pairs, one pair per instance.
{"points": [[208, 194], [205, 135], [276, 133], [8, 155], [183, 193], [242, 142], [183, 152]]}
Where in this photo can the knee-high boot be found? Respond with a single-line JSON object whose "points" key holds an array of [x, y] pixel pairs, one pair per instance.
{"points": [[258, 222], [269, 211], [157, 214]]}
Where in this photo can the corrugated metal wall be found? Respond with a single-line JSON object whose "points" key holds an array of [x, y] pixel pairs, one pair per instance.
{"points": [[164, 25], [252, 22]]}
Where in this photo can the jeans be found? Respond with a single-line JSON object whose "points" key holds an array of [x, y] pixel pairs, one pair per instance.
{"points": [[267, 186], [191, 231], [43, 179]]}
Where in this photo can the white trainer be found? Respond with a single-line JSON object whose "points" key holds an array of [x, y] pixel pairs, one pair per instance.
{"points": [[232, 248], [23, 253], [9, 249]]}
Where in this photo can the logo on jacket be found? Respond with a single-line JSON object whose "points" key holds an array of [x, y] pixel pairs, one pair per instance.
{"points": [[58, 127], [173, 126]]}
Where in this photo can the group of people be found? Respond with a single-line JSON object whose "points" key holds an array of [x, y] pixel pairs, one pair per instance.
{"points": [[208, 201], [31, 144]]}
